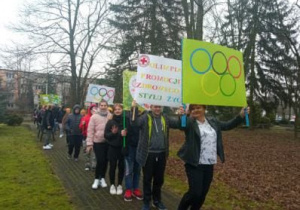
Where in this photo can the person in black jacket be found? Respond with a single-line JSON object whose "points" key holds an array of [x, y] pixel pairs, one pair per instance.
{"points": [[74, 132], [114, 134], [132, 168], [59, 118], [203, 143], [48, 124]]}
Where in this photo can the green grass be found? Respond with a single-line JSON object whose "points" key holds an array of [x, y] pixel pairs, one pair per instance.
{"points": [[26, 177]]}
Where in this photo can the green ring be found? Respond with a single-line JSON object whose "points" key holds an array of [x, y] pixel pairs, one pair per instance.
{"points": [[228, 95]]}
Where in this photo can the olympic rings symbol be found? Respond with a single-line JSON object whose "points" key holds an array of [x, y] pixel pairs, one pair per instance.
{"points": [[223, 69], [192, 65], [102, 92]]}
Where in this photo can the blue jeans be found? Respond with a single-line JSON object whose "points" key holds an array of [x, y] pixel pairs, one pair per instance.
{"points": [[132, 170]]}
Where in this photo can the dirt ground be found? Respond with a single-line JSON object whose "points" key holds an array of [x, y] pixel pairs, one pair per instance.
{"points": [[263, 165]]}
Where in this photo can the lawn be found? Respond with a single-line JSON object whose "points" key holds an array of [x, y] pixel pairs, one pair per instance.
{"points": [[26, 179], [261, 171]]}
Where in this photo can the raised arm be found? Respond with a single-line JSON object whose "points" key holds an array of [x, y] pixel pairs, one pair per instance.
{"points": [[235, 121]]}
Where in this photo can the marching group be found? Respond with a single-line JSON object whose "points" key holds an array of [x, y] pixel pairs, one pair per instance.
{"points": [[133, 142]]}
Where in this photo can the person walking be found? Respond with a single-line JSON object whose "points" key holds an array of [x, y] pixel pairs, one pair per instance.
{"points": [[64, 120], [48, 124], [96, 141], [152, 152], [132, 168], [74, 132], [203, 143], [59, 119], [90, 159], [114, 133]]}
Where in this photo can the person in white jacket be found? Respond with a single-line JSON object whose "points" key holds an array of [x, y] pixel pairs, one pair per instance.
{"points": [[96, 141]]}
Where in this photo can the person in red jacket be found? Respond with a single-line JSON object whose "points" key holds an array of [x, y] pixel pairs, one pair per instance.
{"points": [[90, 160]]}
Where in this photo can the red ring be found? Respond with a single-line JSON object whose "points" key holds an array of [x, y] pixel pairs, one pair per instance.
{"points": [[238, 76], [113, 93]]}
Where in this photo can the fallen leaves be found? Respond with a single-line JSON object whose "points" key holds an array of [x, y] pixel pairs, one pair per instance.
{"points": [[262, 165]]}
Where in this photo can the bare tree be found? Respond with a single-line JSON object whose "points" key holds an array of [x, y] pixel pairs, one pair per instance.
{"points": [[194, 13], [72, 32]]}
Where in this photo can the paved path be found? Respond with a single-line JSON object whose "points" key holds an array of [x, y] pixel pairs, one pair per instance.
{"points": [[78, 184]]}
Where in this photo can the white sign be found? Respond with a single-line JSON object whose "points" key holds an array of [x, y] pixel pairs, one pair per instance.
{"points": [[96, 93], [158, 81]]}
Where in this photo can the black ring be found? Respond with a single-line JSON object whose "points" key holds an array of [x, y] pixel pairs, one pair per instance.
{"points": [[213, 63]]}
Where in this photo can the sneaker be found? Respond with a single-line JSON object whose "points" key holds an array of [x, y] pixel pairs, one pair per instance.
{"points": [[146, 206], [128, 195], [119, 190], [47, 147], [87, 168], [137, 194], [51, 145], [61, 135], [69, 157], [95, 184], [159, 205], [113, 190], [76, 159], [103, 183]]}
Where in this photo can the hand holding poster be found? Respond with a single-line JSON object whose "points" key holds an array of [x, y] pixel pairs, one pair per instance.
{"points": [[212, 74], [96, 93], [158, 81]]}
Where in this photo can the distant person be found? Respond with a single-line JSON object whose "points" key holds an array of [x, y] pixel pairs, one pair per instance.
{"points": [[74, 132], [90, 160], [203, 143], [48, 124], [35, 116], [63, 122], [59, 119]]}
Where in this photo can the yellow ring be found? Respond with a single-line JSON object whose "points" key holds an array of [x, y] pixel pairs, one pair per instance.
{"points": [[202, 84]]}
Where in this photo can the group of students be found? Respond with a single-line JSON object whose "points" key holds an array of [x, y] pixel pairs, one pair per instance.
{"points": [[146, 147]]}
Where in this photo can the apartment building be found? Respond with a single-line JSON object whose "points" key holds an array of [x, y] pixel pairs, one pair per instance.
{"points": [[23, 88]]}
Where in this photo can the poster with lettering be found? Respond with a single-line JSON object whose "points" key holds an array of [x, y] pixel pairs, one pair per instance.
{"points": [[158, 81], [96, 93]]}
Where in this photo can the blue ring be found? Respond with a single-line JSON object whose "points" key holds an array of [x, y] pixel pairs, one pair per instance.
{"points": [[191, 62], [92, 89]]}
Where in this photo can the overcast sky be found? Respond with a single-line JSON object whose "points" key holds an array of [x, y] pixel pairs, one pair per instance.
{"points": [[8, 14]]}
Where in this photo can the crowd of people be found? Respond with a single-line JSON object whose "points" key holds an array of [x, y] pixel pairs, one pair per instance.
{"points": [[130, 142]]}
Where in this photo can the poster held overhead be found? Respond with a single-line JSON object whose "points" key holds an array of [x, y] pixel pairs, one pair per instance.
{"points": [[96, 93], [212, 74], [159, 81]]}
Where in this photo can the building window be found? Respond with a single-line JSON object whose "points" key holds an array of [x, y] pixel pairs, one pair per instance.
{"points": [[10, 75], [38, 87], [11, 105]]}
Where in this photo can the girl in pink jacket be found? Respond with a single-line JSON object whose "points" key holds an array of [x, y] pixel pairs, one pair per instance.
{"points": [[96, 141]]}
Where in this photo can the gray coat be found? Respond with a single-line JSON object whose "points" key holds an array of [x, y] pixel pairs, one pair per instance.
{"points": [[142, 123], [72, 122]]}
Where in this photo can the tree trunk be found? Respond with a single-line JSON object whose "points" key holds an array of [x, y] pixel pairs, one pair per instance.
{"points": [[199, 24]]}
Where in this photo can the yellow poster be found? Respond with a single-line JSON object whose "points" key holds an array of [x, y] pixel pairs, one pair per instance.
{"points": [[212, 74]]}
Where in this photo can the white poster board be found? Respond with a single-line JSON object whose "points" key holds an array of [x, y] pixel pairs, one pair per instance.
{"points": [[96, 93], [158, 81]]}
